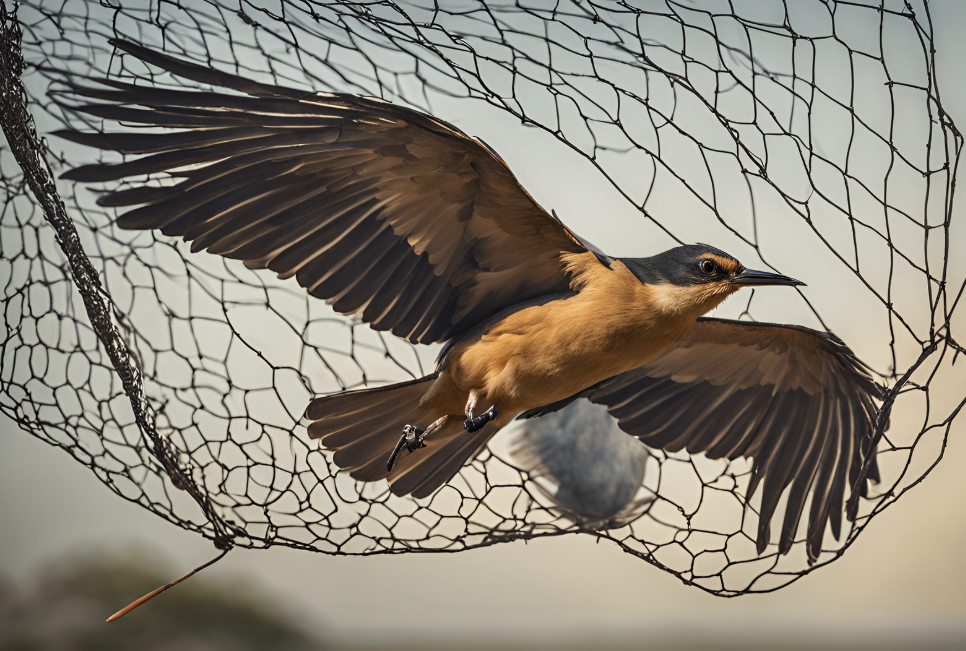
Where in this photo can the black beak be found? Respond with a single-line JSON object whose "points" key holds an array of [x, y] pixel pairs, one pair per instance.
{"points": [[752, 277]]}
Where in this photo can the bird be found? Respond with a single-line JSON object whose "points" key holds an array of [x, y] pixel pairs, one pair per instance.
{"points": [[400, 219], [588, 469]]}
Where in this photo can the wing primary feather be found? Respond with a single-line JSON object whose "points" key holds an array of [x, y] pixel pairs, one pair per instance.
{"points": [[837, 492], [795, 401], [818, 512], [196, 72], [808, 465], [782, 463], [151, 143], [754, 435], [466, 448]]}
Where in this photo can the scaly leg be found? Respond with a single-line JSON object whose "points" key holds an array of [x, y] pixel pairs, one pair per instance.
{"points": [[476, 423], [471, 404], [412, 439]]}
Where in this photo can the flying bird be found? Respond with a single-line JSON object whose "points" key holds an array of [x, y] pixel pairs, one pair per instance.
{"points": [[402, 219]]}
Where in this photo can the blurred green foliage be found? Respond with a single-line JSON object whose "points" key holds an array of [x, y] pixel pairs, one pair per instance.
{"points": [[66, 608]]}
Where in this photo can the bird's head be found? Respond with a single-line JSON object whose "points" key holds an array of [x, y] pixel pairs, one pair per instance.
{"points": [[695, 278]]}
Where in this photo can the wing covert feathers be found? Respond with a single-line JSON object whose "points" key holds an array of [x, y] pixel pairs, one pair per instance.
{"points": [[378, 209]]}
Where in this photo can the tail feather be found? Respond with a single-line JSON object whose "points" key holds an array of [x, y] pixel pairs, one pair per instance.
{"points": [[353, 429], [373, 437], [463, 448], [425, 470], [374, 470], [353, 402], [362, 427]]}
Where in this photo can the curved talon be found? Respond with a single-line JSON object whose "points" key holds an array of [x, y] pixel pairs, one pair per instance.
{"points": [[476, 423], [412, 439]]}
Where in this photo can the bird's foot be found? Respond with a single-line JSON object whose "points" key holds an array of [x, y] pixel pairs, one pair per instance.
{"points": [[476, 423], [411, 439]]}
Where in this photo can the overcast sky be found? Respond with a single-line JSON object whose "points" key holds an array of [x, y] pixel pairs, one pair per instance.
{"points": [[906, 572]]}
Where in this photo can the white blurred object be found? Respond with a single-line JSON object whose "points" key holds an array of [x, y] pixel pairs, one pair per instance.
{"points": [[582, 462]]}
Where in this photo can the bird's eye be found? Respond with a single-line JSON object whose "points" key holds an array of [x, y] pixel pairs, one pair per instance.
{"points": [[708, 267]]}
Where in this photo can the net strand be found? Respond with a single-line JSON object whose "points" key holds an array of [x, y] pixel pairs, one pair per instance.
{"points": [[180, 379], [21, 134]]}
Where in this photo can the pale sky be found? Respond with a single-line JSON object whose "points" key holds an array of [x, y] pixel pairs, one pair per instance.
{"points": [[905, 573]]}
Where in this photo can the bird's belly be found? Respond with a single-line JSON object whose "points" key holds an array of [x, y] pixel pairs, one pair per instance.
{"points": [[544, 374], [526, 368]]}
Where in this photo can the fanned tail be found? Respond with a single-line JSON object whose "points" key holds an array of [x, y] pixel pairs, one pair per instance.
{"points": [[362, 427]]}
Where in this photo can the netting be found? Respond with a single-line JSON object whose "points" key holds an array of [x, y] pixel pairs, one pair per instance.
{"points": [[802, 133]]}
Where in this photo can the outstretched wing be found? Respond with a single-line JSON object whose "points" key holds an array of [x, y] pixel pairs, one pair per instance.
{"points": [[378, 209], [795, 400]]}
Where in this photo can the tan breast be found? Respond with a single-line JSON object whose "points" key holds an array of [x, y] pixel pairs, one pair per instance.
{"points": [[549, 352]]}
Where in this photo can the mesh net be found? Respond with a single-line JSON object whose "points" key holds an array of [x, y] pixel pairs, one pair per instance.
{"points": [[780, 127]]}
